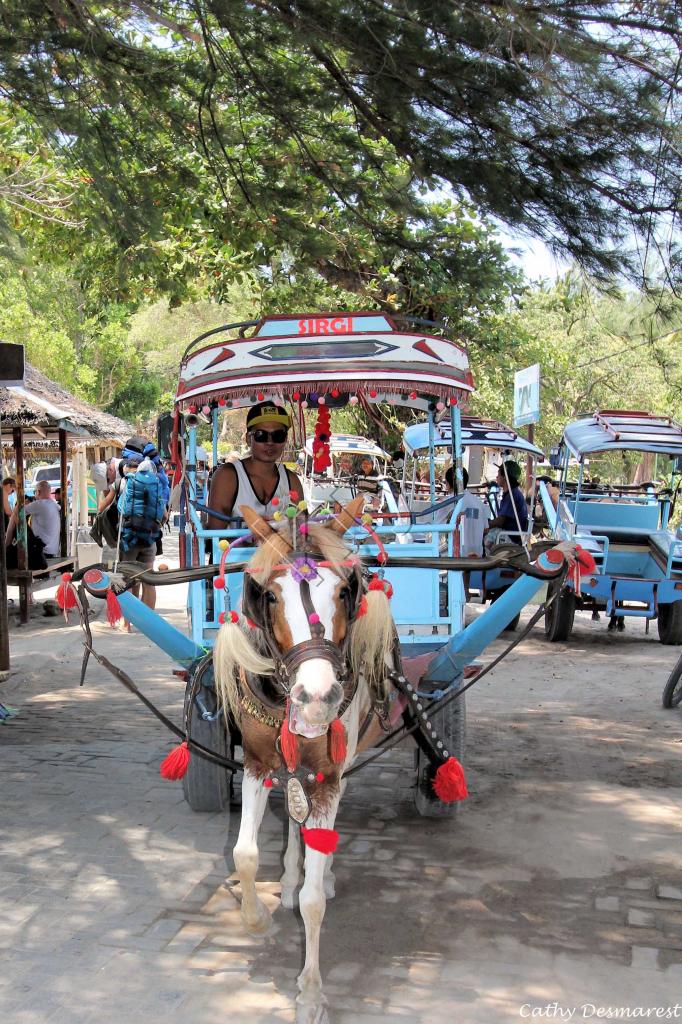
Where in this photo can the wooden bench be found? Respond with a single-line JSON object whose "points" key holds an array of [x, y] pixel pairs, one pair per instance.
{"points": [[26, 579]]}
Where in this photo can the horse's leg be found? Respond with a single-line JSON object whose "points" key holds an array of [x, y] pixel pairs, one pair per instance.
{"points": [[292, 875], [329, 876], [312, 903], [255, 914]]}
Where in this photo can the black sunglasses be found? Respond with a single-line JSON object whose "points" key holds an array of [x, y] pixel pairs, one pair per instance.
{"points": [[277, 436]]}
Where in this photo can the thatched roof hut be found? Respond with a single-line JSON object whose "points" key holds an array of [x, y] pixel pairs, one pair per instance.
{"points": [[42, 408]]}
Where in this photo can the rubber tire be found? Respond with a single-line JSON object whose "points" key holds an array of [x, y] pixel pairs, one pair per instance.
{"points": [[450, 724], [670, 623], [672, 693], [559, 617], [206, 786]]}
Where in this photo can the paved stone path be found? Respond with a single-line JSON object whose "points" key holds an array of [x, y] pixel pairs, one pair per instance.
{"points": [[560, 882]]}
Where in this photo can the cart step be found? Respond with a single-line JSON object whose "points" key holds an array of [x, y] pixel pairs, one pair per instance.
{"points": [[635, 598]]}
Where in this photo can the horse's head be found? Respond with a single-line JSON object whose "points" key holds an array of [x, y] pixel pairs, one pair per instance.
{"points": [[304, 599]]}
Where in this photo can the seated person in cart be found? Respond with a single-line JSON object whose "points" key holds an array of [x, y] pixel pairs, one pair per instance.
{"points": [[259, 477]]}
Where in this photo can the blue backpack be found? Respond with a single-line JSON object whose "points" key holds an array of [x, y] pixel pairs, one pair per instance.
{"points": [[142, 506]]}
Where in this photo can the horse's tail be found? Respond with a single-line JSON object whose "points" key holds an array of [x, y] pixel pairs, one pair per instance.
{"points": [[372, 641], [233, 652]]}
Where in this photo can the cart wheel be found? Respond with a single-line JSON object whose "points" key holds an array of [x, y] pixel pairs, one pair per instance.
{"points": [[559, 616], [670, 623], [672, 693], [206, 785], [450, 724]]}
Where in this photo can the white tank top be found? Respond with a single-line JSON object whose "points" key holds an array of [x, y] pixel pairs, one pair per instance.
{"points": [[247, 496]]}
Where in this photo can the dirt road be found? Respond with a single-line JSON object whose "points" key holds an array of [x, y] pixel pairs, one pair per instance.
{"points": [[558, 891]]}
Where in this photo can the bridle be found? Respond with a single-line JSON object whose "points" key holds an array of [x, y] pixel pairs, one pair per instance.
{"points": [[256, 608]]}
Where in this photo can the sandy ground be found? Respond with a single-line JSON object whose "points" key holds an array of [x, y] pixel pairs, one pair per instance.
{"points": [[556, 894]]}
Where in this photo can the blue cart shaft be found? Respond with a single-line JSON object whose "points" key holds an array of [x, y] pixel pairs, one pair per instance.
{"points": [[171, 641], [462, 649]]}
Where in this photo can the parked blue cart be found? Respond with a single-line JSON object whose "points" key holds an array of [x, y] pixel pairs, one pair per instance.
{"points": [[626, 527]]}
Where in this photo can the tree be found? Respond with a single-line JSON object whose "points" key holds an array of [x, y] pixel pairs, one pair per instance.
{"points": [[322, 125]]}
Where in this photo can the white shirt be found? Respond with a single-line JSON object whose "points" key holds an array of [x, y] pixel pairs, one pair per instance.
{"points": [[472, 515], [45, 522], [246, 495]]}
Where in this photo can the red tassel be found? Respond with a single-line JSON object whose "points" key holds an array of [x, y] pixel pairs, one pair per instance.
{"points": [[288, 743], [338, 747], [66, 593], [324, 840], [174, 766], [114, 613], [450, 784]]}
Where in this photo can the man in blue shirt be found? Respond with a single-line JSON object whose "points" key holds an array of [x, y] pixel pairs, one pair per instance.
{"points": [[512, 499]]}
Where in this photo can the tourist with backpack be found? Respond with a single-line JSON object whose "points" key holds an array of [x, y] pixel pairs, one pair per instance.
{"points": [[142, 510]]}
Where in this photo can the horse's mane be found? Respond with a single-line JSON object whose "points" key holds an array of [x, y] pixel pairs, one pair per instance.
{"points": [[240, 647]]}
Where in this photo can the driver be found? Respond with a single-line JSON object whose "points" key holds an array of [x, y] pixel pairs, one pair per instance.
{"points": [[259, 477]]}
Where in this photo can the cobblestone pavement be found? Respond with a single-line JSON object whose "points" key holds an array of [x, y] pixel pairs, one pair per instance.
{"points": [[559, 883]]}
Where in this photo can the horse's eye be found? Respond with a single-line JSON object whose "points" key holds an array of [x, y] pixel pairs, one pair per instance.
{"points": [[344, 592], [270, 597]]}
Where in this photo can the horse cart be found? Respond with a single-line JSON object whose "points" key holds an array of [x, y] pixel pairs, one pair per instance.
{"points": [[485, 443], [625, 526], [318, 636]]}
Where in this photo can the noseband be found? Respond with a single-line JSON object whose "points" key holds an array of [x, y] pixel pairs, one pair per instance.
{"points": [[256, 607]]}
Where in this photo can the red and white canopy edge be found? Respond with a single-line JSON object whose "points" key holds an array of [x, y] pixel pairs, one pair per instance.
{"points": [[355, 354]]}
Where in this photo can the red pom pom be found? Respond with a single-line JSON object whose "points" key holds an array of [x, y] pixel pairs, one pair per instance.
{"points": [[234, 617], [319, 777], [376, 584], [585, 561], [294, 495], [450, 784], [362, 610], [267, 783], [338, 747], [221, 401], [114, 613], [260, 396], [413, 395], [175, 765], [66, 595], [221, 618], [296, 395], [275, 502], [324, 840], [66, 577], [251, 624], [313, 618], [219, 583], [335, 392], [373, 393]]}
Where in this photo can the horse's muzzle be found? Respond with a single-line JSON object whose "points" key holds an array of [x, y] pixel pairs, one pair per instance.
{"points": [[330, 698]]}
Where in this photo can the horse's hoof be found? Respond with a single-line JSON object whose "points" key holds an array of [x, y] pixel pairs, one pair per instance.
{"points": [[307, 1014], [260, 922]]}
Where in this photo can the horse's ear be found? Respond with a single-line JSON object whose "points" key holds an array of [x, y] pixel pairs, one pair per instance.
{"points": [[264, 532], [347, 516], [256, 524]]}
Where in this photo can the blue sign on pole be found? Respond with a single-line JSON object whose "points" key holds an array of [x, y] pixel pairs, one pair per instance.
{"points": [[527, 395]]}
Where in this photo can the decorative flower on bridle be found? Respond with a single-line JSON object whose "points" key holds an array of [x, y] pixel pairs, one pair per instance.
{"points": [[303, 568]]}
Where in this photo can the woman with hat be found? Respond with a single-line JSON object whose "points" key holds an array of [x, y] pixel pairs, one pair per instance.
{"points": [[259, 477]]}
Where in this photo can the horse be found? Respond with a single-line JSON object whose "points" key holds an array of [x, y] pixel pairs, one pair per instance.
{"points": [[304, 671]]}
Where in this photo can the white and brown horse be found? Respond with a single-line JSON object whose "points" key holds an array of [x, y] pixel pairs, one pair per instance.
{"points": [[303, 670]]}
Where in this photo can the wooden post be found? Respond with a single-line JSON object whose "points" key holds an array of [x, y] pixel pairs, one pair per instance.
{"points": [[529, 460], [64, 483], [4, 614], [21, 535]]}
